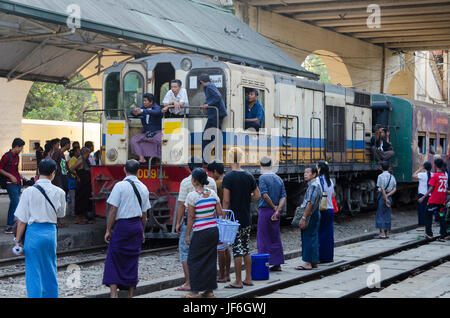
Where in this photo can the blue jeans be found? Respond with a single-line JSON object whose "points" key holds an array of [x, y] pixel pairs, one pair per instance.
{"points": [[14, 197]]}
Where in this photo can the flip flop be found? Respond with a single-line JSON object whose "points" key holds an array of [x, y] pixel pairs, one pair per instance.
{"points": [[275, 269], [207, 296], [191, 296], [223, 281], [301, 268], [247, 284], [382, 237], [230, 286], [182, 288]]}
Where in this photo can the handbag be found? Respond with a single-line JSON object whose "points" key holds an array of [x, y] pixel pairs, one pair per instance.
{"points": [[324, 200], [299, 212], [16, 224], [335, 205]]}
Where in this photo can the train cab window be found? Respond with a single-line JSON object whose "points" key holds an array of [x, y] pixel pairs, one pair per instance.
{"points": [[443, 144], [433, 143], [421, 143], [195, 91], [133, 90], [112, 94], [162, 75], [254, 95]]}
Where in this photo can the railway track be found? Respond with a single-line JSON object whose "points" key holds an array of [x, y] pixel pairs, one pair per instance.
{"points": [[95, 255], [335, 274]]}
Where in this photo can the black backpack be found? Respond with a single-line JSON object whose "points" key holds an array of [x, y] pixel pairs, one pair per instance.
{"points": [[4, 179]]}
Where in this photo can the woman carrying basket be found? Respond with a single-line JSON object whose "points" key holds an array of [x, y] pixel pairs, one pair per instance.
{"points": [[203, 206]]}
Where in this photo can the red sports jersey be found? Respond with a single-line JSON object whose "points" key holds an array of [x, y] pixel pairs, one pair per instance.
{"points": [[439, 182]]}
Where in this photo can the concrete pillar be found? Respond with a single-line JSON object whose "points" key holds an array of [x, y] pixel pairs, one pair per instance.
{"points": [[13, 97]]}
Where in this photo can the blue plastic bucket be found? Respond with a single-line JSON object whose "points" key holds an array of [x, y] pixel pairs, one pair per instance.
{"points": [[260, 266]]}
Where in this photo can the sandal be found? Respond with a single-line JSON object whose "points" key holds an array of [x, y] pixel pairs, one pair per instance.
{"points": [[275, 268], [191, 296], [230, 286], [302, 268], [381, 237], [182, 288], [247, 284], [205, 295]]}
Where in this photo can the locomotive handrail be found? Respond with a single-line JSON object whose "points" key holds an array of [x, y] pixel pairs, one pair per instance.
{"points": [[354, 125], [311, 132]]}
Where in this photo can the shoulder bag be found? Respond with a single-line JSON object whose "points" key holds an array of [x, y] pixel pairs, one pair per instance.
{"points": [[324, 200]]}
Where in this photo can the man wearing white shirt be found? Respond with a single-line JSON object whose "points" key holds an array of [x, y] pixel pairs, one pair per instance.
{"points": [[175, 99], [39, 208], [129, 201]]}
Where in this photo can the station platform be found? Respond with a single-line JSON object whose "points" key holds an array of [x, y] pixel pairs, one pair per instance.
{"points": [[73, 236], [350, 280]]}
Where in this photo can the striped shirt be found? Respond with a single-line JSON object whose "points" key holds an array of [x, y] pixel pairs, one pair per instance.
{"points": [[205, 210]]}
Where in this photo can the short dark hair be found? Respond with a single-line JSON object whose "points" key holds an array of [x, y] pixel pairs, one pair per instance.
{"points": [[266, 162], [253, 90], [439, 163], [18, 142], [149, 97], [175, 81], [37, 143], [313, 170], [47, 167], [89, 144], [204, 78], [65, 141], [216, 166], [385, 165], [195, 162], [132, 167]]}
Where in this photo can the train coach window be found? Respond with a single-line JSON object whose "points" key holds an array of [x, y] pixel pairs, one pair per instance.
{"points": [[443, 143], [421, 143], [133, 90], [261, 99], [433, 143]]}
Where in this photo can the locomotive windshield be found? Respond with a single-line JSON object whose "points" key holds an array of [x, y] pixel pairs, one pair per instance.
{"points": [[112, 94], [133, 90]]}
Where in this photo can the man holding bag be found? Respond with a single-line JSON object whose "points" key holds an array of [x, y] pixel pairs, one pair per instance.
{"points": [[310, 220]]}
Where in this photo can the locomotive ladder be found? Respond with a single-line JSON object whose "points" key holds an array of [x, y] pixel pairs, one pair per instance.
{"points": [[288, 152]]}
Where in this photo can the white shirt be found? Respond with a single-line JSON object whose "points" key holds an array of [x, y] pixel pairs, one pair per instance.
{"points": [[34, 208], [383, 182], [182, 97], [124, 198], [423, 182], [186, 187], [92, 160]]}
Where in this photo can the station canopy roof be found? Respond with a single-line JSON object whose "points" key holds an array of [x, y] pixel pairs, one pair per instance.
{"points": [[37, 44], [407, 25]]}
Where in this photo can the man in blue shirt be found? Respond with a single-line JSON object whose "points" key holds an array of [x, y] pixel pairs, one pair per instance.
{"points": [[271, 204], [147, 143], [213, 100], [254, 112]]}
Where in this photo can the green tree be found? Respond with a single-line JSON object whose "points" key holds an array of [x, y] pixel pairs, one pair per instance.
{"points": [[49, 101], [314, 63]]}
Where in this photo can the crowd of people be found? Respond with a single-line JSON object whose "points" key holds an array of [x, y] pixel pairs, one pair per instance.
{"points": [[202, 199]]}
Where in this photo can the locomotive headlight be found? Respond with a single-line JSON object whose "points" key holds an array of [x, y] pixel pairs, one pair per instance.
{"points": [[186, 64], [176, 153], [112, 154]]}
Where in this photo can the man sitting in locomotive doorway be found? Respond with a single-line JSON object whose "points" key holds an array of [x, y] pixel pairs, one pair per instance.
{"points": [[381, 148], [254, 112], [176, 99], [147, 143]]}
